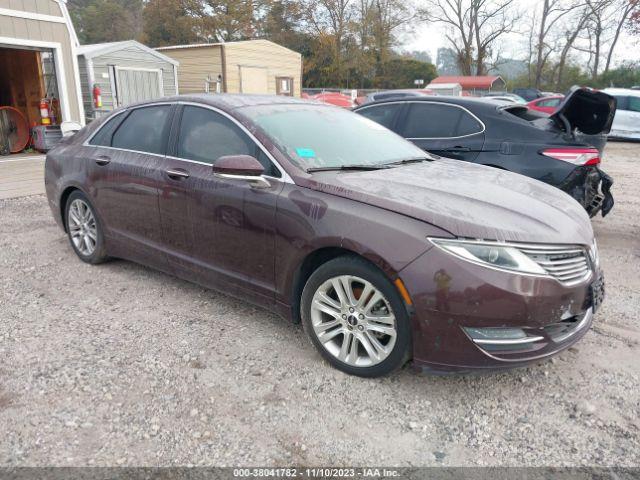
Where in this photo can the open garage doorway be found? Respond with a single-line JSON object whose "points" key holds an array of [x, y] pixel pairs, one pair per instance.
{"points": [[29, 79]]}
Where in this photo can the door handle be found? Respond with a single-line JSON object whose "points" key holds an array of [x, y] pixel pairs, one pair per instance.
{"points": [[177, 173], [103, 160]]}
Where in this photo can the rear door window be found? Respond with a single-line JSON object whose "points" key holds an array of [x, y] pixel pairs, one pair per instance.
{"points": [[103, 136], [433, 120], [385, 115], [144, 130]]}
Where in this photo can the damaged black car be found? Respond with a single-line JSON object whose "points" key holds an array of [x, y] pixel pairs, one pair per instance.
{"points": [[564, 149]]}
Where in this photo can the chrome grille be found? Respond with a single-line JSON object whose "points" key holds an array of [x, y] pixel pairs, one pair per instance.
{"points": [[569, 265]]}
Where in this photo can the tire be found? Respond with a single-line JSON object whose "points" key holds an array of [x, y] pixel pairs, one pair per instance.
{"points": [[84, 229], [370, 340]]}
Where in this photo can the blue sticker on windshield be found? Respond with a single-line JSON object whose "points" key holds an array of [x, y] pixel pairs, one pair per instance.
{"points": [[305, 153]]}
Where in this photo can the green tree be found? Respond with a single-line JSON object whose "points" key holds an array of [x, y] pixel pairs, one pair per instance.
{"points": [[171, 22], [99, 21], [401, 72], [626, 75], [228, 20], [279, 22]]}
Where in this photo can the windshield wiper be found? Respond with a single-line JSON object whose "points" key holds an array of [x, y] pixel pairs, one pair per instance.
{"points": [[348, 167], [411, 160]]}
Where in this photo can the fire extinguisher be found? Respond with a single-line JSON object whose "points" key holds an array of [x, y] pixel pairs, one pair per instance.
{"points": [[44, 112], [97, 96]]}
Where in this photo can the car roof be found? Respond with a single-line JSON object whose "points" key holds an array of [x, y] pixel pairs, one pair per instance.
{"points": [[473, 103], [622, 91], [229, 101]]}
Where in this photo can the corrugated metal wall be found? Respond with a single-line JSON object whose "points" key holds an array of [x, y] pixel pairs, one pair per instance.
{"points": [[196, 64]]}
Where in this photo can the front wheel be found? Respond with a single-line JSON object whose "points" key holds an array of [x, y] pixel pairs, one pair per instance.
{"points": [[355, 318]]}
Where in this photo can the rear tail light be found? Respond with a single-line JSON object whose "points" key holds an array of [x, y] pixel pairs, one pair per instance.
{"points": [[577, 156]]}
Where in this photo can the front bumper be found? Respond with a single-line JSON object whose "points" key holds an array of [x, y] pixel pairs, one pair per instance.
{"points": [[456, 302], [591, 187]]}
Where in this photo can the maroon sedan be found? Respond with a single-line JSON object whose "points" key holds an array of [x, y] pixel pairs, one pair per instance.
{"points": [[383, 252]]}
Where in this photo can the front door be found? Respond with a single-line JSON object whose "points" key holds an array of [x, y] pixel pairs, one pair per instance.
{"points": [[124, 161], [218, 232], [444, 129]]}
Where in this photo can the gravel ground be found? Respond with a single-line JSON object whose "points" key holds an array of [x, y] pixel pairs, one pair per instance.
{"points": [[120, 365]]}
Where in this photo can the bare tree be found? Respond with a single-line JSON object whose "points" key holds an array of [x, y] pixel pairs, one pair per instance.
{"points": [[388, 17], [572, 30], [603, 28], [625, 10], [331, 19], [551, 16], [473, 28]]}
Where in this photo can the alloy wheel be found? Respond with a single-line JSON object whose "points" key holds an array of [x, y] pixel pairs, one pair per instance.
{"points": [[82, 227], [353, 321]]}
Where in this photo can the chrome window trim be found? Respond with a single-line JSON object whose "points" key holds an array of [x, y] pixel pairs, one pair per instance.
{"points": [[284, 178], [129, 151], [432, 103], [284, 175], [210, 165]]}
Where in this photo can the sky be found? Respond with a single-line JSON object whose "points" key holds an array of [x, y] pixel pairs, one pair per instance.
{"points": [[430, 37]]}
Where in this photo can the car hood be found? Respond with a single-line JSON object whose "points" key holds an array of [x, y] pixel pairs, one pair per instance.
{"points": [[467, 200], [586, 110]]}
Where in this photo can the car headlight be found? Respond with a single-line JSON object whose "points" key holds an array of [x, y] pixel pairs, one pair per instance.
{"points": [[490, 254]]}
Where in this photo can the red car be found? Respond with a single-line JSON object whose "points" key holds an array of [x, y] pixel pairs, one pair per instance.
{"points": [[545, 104], [335, 98]]}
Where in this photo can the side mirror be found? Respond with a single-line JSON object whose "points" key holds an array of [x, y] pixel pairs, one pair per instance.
{"points": [[240, 167]]}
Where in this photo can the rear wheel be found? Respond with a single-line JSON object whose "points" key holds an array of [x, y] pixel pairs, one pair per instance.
{"points": [[83, 229], [355, 318]]}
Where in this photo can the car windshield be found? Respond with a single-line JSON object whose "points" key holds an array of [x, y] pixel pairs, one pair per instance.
{"points": [[319, 136]]}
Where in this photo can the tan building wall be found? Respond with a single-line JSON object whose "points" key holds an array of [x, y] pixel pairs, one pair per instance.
{"points": [[43, 7], [45, 24], [196, 64], [253, 58], [278, 61]]}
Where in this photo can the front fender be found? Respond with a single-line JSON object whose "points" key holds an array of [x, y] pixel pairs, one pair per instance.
{"points": [[308, 220]]}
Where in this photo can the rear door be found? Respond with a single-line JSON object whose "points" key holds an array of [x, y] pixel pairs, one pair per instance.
{"points": [[444, 129], [125, 175]]}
